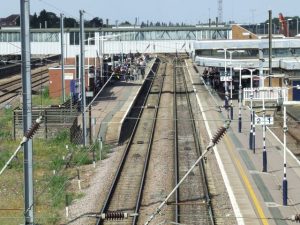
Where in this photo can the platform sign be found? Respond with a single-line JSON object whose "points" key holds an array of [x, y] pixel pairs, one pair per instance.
{"points": [[259, 120], [89, 94], [68, 76], [225, 78]]}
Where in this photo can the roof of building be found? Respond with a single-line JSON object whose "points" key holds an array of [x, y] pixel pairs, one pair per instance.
{"points": [[10, 20]]}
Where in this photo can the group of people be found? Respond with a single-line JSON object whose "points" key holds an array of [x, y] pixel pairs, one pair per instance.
{"points": [[211, 76], [131, 69]]}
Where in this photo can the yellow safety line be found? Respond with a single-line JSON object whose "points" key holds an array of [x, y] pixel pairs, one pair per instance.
{"points": [[246, 182]]}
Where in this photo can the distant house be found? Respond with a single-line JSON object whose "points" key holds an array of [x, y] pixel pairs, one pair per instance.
{"points": [[10, 21]]}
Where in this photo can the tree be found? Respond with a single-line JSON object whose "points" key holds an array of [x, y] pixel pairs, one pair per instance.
{"points": [[95, 22], [126, 23], [143, 24], [70, 22], [48, 18], [34, 22]]}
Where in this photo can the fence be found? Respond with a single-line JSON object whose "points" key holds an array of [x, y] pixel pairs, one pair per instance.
{"points": [[269, 94], [55, 118]]}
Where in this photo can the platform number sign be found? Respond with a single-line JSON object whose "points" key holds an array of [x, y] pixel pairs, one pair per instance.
{"points": [[259, 120]]}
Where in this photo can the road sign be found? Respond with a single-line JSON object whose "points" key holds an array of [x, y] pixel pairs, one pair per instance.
{"points": [[259, 120]]}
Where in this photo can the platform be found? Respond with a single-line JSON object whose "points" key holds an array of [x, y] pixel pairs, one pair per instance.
{"points": [[112, 105], [256, 196]]}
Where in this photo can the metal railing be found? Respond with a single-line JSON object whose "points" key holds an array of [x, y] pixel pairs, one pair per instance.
{"points": [[266, 93]]}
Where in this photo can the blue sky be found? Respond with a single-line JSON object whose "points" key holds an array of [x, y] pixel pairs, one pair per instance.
{"points": [[188, 11]]}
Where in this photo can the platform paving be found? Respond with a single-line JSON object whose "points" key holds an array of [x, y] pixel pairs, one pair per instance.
{"points": [[112, 105]]}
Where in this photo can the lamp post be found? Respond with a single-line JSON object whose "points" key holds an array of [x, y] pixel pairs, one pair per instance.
{"points": [[231, 86], [102, 39], [225, 74], [88, 60], [257, 30], [262, 85], [288, 26], [240, 101], [284, 182], [252, 124], [273, 28], [264, 132], [297, 27]]}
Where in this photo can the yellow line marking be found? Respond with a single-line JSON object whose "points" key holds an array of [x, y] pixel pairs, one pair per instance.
{"points": [[246, 182]]}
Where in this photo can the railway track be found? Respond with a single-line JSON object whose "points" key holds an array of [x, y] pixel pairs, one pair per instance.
{"points": [[12, 87], [179, 145], [127, 189], [192, 200]]}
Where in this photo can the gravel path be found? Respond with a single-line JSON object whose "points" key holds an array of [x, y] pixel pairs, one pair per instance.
{"points": [[99, 181], [160, 179]]}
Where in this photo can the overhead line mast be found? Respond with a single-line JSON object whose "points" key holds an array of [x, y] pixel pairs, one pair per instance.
{"points": [[220, 10]]}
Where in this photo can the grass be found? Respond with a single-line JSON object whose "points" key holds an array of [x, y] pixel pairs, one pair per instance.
{"points": [[106, 149], [57, 189], [50, 189], [6, 118], [43, 99]]}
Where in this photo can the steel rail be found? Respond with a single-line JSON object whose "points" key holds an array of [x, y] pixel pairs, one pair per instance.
{"points": [[13, 91], [199, 152], [140, 195], [17, 80], [176, 160], [127, 149], [204, 185]]}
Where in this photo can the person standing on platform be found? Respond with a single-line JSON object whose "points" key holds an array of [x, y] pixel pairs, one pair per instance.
{"points": [[135, 74], [142, 66]]}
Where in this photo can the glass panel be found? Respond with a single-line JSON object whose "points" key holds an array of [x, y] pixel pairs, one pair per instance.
{"points": [[76, 38], [71, 36], [89, 38]]}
